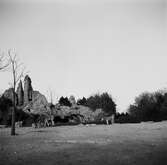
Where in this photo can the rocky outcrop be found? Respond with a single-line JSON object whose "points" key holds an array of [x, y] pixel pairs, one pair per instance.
{"points": [[38, 104], [31, 102], [34, 101], [39, 101], [20, 94], [28, 99], [27, 90], [38, 98]]}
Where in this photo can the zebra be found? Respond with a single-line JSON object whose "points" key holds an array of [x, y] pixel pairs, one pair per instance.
{"points": [[108, 118], [19, 124]]}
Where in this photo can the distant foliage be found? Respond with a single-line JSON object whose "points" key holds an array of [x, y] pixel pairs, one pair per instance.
{"points": [[82, 101], [5, 103], [103, 101], [149, 107], [64, 101], [125, 118], [5, 112]]}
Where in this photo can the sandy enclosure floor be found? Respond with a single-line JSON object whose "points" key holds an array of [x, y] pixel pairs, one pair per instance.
{"points": [[118, 144]]}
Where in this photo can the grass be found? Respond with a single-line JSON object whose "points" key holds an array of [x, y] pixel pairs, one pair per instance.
{"points": [[118, 144]]}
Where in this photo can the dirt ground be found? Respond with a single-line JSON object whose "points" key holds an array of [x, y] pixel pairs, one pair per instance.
{"points": [[118, 144]]}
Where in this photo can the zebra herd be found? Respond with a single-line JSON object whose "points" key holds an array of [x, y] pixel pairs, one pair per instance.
{"points": [[42, 121]]}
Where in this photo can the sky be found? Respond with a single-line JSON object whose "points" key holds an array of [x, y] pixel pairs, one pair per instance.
{"points": [[83, 47]]}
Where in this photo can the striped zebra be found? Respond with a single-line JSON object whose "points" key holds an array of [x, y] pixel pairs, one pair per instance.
{"points": [[108, 119]]}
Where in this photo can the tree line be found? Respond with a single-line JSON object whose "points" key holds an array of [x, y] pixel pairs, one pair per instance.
{"points": [[146, 107], [149, 106], [102, 101]]}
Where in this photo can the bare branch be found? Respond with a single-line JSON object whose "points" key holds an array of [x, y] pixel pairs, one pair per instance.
{"points": [[22, 73], [50, 92], [17, 67], [3, 62], [10, 84]]}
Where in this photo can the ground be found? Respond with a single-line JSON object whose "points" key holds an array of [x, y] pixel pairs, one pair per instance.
{"points": [[118, 144]]}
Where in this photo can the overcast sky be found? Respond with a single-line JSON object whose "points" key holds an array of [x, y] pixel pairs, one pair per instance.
{"points": [[81, 47]]}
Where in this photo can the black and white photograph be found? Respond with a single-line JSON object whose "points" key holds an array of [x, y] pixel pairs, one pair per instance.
{"points": [[83, 82]]}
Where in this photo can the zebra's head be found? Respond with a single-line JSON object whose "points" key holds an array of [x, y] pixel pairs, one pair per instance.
{"points": [[102, 119]]}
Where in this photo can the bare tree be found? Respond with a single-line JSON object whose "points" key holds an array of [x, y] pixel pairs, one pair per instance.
{"points": [[51, 96], [17, 70], [3, 62], [51, 106]]}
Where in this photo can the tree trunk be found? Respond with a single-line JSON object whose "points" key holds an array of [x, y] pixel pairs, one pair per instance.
{"points": [[13, 114], [13, 122]]}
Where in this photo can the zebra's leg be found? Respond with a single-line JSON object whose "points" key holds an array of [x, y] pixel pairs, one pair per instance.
{"points": [[107, 122], [45, 123]]}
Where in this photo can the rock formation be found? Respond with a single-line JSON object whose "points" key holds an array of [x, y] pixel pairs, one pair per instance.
{"points": [[20, 94], [29, 101], [34, 101], [27, 90], [39, 102]]}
